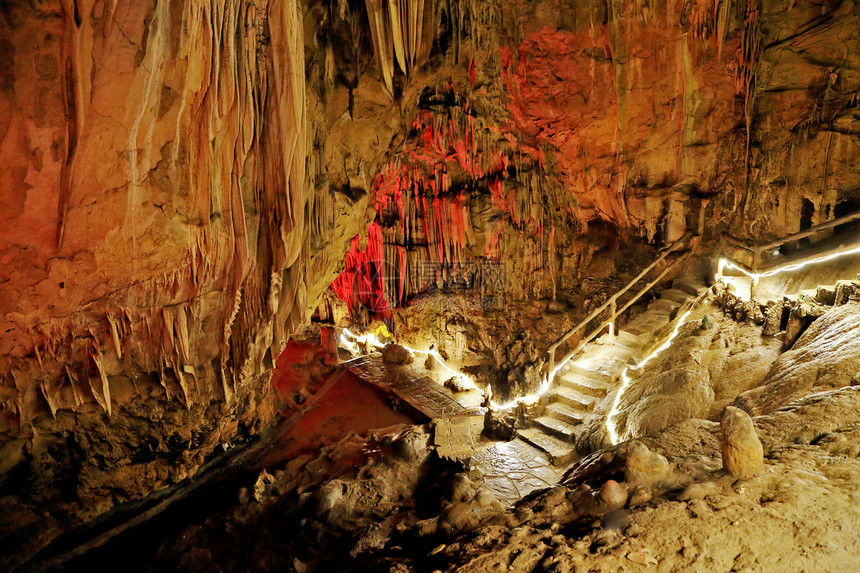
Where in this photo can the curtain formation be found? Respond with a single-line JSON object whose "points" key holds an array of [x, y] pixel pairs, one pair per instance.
{"points": [[402, 30]]}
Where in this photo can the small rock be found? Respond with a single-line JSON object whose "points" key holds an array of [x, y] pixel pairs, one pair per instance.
{"points": [[457, 384], [458, 517], [485, 499], [640, 496], [430, 363], [742, 452], [643, 465], [642, 557], [697, 491], [328, 495], [757, 315], [707, 322], [613, 495], [396, 354], [263, 480], [521, 515], [461, 488], [411, 445]]}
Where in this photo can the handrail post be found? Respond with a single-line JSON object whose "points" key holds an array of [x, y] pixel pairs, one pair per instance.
{"points": [[613, 306], [551, 363]]}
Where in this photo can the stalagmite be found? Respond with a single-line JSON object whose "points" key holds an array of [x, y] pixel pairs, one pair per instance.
{"points": [[740, 446]]}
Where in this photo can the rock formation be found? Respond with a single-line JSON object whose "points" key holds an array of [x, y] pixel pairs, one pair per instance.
{"points": [[739, 444], [160, 234]]}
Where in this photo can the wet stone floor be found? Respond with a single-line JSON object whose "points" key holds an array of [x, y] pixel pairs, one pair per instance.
{"points": [[512, 470]]}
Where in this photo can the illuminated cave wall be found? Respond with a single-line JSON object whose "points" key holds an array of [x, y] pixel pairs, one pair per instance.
{"points": [[540, 132], [161, 236]]}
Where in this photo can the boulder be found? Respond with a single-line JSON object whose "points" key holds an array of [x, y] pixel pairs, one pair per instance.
{"points": [[644, 467], [396, 354]]}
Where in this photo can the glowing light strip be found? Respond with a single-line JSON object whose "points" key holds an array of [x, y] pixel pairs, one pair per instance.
{"points": [[374, 341], [545, 384], [725, 263], [625, 381]]}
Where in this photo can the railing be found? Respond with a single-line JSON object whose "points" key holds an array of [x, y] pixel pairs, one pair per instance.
{"points": [[757, 250], [612, 304]]}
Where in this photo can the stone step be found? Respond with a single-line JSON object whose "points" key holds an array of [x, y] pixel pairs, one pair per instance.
{"points": [[572, 396], [560, 453], [627, 341], [555, 427], [565, 413], [648, 323], [633, 341], [584, 385], [590, 378], [605, 360], [663, 306], [675, 295], [619, 351]]}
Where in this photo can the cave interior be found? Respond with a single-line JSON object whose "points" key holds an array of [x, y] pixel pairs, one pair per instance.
{"points": [[430, 285]]}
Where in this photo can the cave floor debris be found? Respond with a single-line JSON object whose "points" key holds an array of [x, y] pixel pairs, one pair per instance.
{"points": [[343, 404]]}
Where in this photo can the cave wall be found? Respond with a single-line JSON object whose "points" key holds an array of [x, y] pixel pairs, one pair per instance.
{"points": [[538, 133], [546, 149], [160, 238]]}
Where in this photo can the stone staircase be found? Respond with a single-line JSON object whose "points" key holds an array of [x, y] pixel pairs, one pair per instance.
{"points": [[585, 380]]}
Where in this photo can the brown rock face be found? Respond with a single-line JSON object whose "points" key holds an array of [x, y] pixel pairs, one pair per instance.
{"points": [[739, 444], [159, 239]]}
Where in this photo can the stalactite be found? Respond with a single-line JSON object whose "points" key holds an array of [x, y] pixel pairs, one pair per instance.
{"points": [[115, 336], [102, 394], [401, 30], [425, 227]]}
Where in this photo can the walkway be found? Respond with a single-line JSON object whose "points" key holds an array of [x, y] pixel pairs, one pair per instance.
{"points": [[583, 383], [510, 470]]}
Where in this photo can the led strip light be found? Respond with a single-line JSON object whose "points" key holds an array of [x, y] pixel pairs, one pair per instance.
{"points": [[725, 263], [350, 340], [625, 380]]}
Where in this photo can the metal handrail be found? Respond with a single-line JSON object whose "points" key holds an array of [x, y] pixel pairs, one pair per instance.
{"points": [[757, 250], [612, 303]]}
